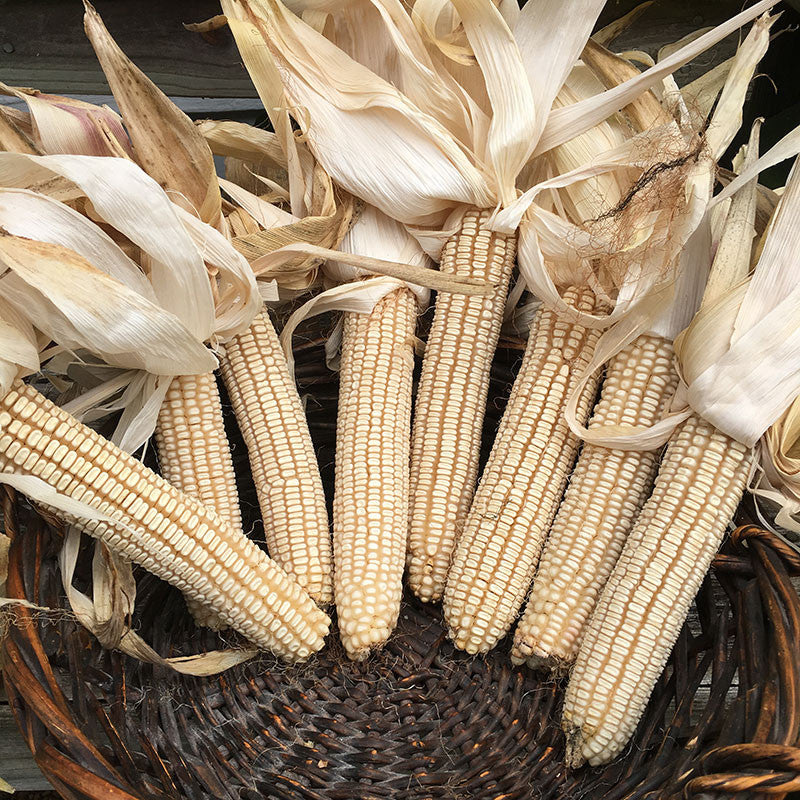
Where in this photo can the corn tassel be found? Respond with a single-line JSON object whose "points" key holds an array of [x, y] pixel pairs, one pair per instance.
{"points": [[606, 492], [282, 460], [451, 401], [370, 508], [647, 597], [523, 481], [195, 456], [166, 531]]}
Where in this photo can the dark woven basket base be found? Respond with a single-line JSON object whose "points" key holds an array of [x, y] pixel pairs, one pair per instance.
{"points": [[418, 719]]}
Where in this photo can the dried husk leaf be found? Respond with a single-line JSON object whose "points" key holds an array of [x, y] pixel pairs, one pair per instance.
{"points": [[565, 123], [167, 144], [128, 199], [13, 138], [77, 305], [645, 112], [550, 48], [739, 357], [614, 29], [369, 137], [67, 125], [245, 142], [19, 354]]}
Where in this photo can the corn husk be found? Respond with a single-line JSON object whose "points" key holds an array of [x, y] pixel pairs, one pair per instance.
{"points": [[563, 124], [374, 236], [167, 145], [66, 125]]}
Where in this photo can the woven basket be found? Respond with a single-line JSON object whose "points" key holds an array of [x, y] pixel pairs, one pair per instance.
{"points": [[416, 720]]}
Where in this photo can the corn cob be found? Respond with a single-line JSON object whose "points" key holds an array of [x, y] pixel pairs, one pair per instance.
{"points": [[370, 508], [195, 456], [451, 400], [647, 597], [282, 460], [523, 481], [166, 531], [606, 492]]}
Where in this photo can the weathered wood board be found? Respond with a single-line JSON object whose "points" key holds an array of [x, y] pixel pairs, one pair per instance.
{"points": [[42, 43]]}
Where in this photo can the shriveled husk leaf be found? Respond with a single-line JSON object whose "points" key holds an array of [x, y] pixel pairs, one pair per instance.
{"points": [[727, 118], [207, 25], [614, 29], [132, 202], [229, 138], [167, 144], [732, 256], [565, 123], [298, 270], [68, 125], [77, 305], [646, 111], [266, 214]]}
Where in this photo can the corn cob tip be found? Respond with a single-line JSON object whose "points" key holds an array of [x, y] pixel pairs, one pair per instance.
{"points": [[423, 582], [461, 633], [526, 650], [549, 664], [363, 639]]}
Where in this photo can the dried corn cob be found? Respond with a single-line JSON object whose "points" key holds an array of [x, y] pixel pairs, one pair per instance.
{"points": [[451, 401], [193, 449], [195, 456], [606, 492], [523, 481], [282, 460], [370, 509], [647, 597], [164, 530]]}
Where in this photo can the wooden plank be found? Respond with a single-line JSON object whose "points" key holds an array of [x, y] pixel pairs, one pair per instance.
{"points": [[42, 43], [17, 766]]}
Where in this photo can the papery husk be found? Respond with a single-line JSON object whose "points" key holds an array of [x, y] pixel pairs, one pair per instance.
{"points": [[373, 236], [19, 353], [136, 206], [13, 138], [167, 144], [50, 286], [606, 35], [646, 111], [397, 157], [778, 480], [67, 125], [563, 124], [739, 357]]}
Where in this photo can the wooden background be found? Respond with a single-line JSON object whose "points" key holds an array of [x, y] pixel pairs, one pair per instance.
{"points": [[42, 45]]}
